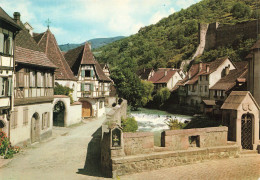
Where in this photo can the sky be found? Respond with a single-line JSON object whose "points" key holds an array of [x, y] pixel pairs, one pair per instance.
{"points": [[75, 21]]}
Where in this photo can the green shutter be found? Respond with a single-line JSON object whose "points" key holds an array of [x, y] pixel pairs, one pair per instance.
{"points": [[82, 86], [82, 73], [10, 85], [1, 42], [91, 87], [91, 73]]}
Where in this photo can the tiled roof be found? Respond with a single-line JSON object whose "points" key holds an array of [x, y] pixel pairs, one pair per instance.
{"points": [[28, 56], [229, 81], [28, 52], [213, 66], [195, 71], [256, 45], [235, 99], [24, 39], [209, 102], [5, 17], [49, 46], [162, 75], [83, 55], [241, 65], [144, 73]]}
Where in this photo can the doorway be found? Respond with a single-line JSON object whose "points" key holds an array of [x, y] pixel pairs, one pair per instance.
{"points": [[86, 109], [35, 128], [247, 131]]}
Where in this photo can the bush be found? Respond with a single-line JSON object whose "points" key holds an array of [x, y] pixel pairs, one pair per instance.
{"points": [[63, 90], [161, 96], [6, 149], [175, 124], [129, 124], [114, 105], [240, 10], [120, 100]]}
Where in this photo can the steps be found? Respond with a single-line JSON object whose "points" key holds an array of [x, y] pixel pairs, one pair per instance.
{"points": [[246, 153]]}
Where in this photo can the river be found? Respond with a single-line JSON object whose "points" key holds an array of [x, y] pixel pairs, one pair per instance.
{"points": [[151, 120]]}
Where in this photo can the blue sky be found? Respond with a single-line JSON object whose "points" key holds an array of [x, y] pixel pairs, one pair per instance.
{"points": [[75, 21]]}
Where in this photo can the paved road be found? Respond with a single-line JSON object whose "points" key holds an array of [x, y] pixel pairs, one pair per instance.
{"points": [[245, 168], [70, 154]]}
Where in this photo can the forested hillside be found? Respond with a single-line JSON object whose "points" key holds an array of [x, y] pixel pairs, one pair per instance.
{"points": [[175, 38], [170, 41]]}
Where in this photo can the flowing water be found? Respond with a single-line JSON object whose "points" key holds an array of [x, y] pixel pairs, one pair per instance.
{"points": [[154, 120]]}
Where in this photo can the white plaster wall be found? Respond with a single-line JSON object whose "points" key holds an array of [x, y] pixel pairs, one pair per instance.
{"points": [[7, 61], [174, 79], [101, 111], [216, 75], [74, 114], [23, 132]]}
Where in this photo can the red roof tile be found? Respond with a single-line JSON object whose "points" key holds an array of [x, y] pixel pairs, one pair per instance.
{"points": [[28, 56], [81, 56], [229, 81], [49, 45], [162, 75]]}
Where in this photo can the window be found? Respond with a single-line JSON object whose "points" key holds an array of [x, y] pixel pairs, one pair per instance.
{"points": [[216, 93], [87, 73], [25, 115], [4, 88], [201, 88], [100, 104], [86, 87], [222, 93], [14, 117], [6, 43], [45, 120], [26, 78], [207, 78], [206, 88], [200, 78]]}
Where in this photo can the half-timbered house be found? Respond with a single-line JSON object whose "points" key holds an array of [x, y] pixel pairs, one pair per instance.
{"points": [[93, 84], [8, 30], [33, 90]]}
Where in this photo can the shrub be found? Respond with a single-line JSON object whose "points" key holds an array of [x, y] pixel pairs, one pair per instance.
{"points": [[6, 149], [63, 90], [174, 124], [161, 96], [129, 124], [114, 104], [240, 10], [120, 100]]}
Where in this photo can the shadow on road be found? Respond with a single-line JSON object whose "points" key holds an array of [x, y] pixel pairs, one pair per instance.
{"points": [[92, 165]]}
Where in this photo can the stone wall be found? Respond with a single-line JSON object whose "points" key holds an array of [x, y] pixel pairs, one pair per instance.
{"points": [[189, 138], [223, 34], [138, 143], [148, 162]]}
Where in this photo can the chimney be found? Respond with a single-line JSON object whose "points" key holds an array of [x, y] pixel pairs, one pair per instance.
{"points": [[189, 74], [17, 16], [165, 72], [207, 68], [226, 71]]}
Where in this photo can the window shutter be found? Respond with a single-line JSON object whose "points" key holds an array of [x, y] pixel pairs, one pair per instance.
{"points": [[25, 115], [91, 87], [1, 42], [21, 79], [38, 75], [31, 79], [48, 119], [10, 84], [82, 73], [82, 86], [10, 45], [50, 79], [1, 86], [91, 73], [43, 120]]}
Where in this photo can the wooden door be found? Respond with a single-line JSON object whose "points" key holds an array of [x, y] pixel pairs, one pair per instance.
{"points": [[35, 128], [86, 109]]}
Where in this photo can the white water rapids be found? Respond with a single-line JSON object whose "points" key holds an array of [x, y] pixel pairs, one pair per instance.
{"points": [[156, 122]]}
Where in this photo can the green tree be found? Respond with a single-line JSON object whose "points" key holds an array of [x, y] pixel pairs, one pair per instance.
{"points": [[129, 124], [161, 96], [240, 10], [147, 92], [63, 90]]}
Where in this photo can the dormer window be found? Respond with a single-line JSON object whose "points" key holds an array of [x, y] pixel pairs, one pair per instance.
{"points": [[87, 73]]}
